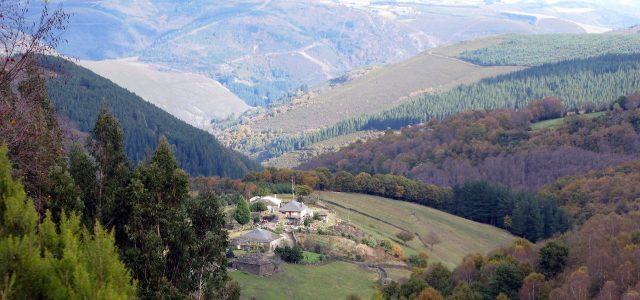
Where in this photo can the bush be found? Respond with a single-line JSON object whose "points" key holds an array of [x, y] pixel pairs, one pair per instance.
{"points": [[258, 207], [405, 236], [290, 254]]}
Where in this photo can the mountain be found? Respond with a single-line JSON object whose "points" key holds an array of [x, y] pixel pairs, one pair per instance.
{"points": [[193, 98], [78, 94], [438, 83], [260, 50]]}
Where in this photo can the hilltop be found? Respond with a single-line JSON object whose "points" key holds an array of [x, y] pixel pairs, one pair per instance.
{"points": [[78, 94]]}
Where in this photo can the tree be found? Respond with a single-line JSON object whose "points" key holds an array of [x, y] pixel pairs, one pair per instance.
{"points": [[532, 287], [432, 239], [464, 292], [303, 191], [553, 258], [405, 236], [83, 170], [29, 128], [420, 261], [290, 254], [242, 214], [506, 279], [258, 206], [22, 39], [208, 266], [46, 260], [439, 277], [113, 172], [429, 294]]}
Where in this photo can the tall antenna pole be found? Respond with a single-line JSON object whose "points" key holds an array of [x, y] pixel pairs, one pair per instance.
{"points": [[293, 187]]}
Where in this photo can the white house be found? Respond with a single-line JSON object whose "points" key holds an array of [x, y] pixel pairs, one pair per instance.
{"points": [[296, 211], [272, 203]]}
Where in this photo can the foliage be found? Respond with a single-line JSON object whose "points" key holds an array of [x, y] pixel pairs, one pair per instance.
{"points": [[242, 214], [55, 261], [553, 259], [290, 254], [405, 236], [78, 94], [175, 245], [258, 206], [599, 191], [29, 128], [589, 83], [538, 49], [439, 277], [495, 146]]}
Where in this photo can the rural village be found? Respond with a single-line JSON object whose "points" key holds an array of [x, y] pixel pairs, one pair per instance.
{"points": [[304, 230]]}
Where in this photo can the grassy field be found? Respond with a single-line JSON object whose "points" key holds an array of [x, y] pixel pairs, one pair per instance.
{"points": [[336, 280], [293, 159], [311, 257], [459, 236], [556, 122]]}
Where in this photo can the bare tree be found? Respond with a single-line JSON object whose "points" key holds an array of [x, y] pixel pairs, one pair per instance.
{"points": [[24, 34], [28, 125], [432, 239]]}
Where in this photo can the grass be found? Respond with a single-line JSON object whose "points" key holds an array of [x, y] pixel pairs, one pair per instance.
{"points": [[459, 236], [557, 122], [336, 280], [380, 89], [398, 274], [311, 257], [293, 159]]}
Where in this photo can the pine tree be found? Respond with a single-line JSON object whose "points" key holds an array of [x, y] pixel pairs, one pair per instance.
{"points": [[242, 213], [46, 260]]}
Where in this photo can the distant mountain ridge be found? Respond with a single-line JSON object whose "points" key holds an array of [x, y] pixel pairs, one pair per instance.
{"points": [[78, 94], [261, 50]]}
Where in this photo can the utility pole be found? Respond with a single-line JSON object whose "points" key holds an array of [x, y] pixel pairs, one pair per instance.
{"points": [[293, 187]]}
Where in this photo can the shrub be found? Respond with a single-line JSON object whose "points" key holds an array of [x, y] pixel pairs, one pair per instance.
{"points": [[290, 254]]}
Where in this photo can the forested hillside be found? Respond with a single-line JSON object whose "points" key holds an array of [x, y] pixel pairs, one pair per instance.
{"points": [[78, 94], [534, 50], [498, 146], [581, 84]]}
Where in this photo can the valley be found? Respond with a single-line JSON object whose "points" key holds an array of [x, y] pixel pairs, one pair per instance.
{"points": [[333, 149]]}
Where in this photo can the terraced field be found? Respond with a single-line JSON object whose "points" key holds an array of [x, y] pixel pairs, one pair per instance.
{"points": [[383, 218]]}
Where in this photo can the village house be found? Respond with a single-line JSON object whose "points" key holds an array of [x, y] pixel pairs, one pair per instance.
{"points": [[258, 239], [254, 263], [272, 203], [296, 212]]}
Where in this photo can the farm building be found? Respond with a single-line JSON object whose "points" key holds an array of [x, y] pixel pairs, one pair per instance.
{"points": [[272, 203], [254, 263], [258, 238], [295, 211]]}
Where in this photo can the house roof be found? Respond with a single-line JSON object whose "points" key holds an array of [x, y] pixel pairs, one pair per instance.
{"points": [[293, 206], [257, 235], [253, 259]]}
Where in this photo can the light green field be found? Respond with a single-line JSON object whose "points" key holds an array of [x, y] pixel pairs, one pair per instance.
{"points": [[459, 236], [293, 159], [336, 280], [311, 257], [557, 122]]}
